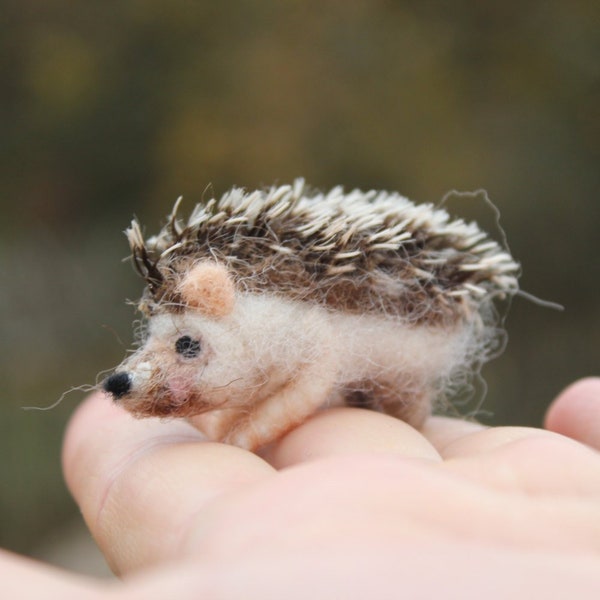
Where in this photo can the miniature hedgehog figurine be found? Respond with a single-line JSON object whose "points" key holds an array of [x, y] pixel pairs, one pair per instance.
{"points": [[266, 306]]}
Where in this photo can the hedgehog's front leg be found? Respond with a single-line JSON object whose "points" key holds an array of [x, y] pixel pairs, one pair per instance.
{"points": [[290, 406], [216, 424]]}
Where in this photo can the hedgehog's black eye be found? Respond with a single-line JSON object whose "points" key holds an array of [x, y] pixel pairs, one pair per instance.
{"points": [[187, 347]]}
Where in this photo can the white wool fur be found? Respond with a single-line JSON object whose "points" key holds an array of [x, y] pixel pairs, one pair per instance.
{"points": [[272, 362]]}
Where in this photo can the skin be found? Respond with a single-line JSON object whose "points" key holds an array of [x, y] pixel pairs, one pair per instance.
{"points": [[352, 504]]}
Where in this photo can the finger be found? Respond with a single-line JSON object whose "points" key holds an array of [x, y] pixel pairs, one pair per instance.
{"points": [[542, 464], [340, 431], [576, 412], [478, 442], [443, 431], [139, 481]]}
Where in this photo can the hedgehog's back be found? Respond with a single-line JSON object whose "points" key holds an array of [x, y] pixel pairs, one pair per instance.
{"points": [[373, 252]]}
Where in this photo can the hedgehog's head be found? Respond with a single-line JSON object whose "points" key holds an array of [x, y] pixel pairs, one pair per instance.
{"points": [[188, 363]]}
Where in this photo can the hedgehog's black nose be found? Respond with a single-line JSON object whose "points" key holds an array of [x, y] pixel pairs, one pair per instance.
{"points": [[118, 384]]}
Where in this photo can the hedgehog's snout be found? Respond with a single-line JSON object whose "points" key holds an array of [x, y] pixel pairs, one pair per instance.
{"points": [[118, 384]]}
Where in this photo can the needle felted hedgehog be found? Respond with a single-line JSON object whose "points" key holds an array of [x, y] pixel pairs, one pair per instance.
{"points": [[263, 307]]}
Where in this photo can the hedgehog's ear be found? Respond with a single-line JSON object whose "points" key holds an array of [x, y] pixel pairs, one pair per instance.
{"points": [[208, 288]]}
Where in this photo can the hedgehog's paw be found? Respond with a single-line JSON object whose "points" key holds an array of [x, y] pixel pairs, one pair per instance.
{"points": [[250, 435], [215, 425]]}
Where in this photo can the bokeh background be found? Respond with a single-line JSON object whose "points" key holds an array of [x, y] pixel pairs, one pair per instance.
{"points": [[110, 109]]}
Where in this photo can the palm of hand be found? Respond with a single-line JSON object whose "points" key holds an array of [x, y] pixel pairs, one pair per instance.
{"points": [[351, 502]]}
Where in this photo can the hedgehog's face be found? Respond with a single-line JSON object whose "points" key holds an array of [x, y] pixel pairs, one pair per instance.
{"points": [[191, 361], [187, 366]]}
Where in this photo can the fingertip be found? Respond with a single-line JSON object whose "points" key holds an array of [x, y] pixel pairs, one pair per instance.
{"points": [[342, 431], [575, 413], [76, 428], [95, 410]]}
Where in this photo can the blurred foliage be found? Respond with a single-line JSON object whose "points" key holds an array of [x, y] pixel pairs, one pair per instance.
{"points": [[113, 108]]}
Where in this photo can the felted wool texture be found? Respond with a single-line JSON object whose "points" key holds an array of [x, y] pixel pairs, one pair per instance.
{"points": [[264, 307]]}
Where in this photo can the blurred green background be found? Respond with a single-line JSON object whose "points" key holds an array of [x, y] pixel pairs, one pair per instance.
{"points": [[110, 109]]}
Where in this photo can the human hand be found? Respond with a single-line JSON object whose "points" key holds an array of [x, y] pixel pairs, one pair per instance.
{"points": [[352, 504]]}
